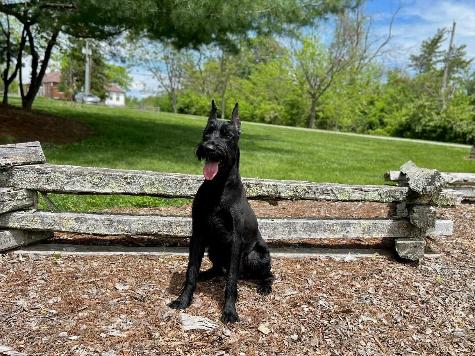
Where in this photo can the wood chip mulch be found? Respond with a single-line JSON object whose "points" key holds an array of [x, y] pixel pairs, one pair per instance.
{"points": [[71, 305]]}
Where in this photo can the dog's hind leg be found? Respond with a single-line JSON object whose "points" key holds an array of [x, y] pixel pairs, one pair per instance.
{"points": [[257, 265], [197, 250]]}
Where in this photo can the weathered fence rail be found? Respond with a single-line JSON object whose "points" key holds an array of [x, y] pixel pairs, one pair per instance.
{"points": [[461, 185], [271, 229], [88, 180], [23, 173]]}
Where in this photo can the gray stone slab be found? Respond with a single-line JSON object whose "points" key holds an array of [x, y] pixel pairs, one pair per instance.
{"points": [[422, 216], [10, 239], [451, 178], [411, 249], [16, 199], [75, 179], [20, 154], [348, 254], [423, 181], [272, 229]]}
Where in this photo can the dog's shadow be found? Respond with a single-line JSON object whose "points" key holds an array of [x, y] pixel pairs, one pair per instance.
{"points": [[213, 288]]}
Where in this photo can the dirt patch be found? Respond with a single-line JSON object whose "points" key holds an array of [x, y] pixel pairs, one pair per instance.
{"points": [[18, 125], [117, 305]]}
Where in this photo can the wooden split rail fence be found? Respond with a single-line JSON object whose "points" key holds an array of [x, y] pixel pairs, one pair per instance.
{"points": [[24, 172]]}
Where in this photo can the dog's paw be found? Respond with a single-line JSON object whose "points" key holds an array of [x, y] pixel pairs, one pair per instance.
{"points": [[178, 304], [229, 316], [264, 289]]}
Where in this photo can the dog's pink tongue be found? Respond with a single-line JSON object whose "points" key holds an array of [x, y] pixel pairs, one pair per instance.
{"points": [[210, 170]]}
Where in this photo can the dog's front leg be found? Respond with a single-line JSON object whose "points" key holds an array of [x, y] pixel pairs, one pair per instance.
{"points": [[197, 250], [229, 312]]}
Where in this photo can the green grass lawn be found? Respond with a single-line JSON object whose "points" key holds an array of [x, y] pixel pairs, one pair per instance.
{"points": [[131, 139]]}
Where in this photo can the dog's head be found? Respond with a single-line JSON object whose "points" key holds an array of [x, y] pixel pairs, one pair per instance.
{"points": [[219, 145]]}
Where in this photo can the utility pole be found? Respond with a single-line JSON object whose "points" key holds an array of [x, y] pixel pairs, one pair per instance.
{"points": [[87, 80], [443, 90]]}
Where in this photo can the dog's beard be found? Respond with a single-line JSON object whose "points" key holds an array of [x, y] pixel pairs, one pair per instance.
{"points": [[210, 169]]}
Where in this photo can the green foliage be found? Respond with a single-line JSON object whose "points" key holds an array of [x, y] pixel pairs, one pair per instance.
{"points": [[191, 102], [220, 22], [274, 86], [424, 119], [118, 75], [132, 139], [186, 23], [73, 64], [430, 55]]}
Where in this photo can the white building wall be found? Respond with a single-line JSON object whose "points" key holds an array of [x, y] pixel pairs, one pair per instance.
{"points": [[115, 99]]}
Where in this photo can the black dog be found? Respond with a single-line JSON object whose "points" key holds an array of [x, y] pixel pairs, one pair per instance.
{"points": [[223, 221]]}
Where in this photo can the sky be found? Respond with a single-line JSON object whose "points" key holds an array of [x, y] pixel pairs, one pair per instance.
{"points": [[415, 21], [418, 20]]}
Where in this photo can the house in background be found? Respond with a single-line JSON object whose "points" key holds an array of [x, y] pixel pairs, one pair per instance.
{"points": [[50, 86], [115, 95]]}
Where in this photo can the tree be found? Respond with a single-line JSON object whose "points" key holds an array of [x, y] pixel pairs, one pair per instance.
{"points": [[73, 64], [440, 72], [317, 66], [118, 75], [43, 21], [220, 22], [164, 62], [182, 23], [10, 42], [430, 55]]}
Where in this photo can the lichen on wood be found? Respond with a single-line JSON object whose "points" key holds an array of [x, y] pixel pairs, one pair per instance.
{"points": [[422, 216], [16, 199], [21, 154], [272, 229], [10, 239], [423, 181], [75, 179]]}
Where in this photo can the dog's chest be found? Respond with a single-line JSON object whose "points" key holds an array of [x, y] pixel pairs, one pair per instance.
{"points": [[219, 222]]}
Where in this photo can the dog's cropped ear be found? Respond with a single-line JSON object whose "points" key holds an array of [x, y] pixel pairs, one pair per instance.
{"points": [[213, 114], [235, 120]]}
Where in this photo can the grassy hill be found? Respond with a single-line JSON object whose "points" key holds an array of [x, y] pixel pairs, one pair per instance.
{"points": [[132, 139]]}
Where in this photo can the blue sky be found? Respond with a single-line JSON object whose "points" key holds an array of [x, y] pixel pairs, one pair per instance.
{"points": [[419, 19], [415, 21]]}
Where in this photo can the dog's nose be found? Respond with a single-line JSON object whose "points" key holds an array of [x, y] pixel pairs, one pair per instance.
{"points": [[209, 146]]}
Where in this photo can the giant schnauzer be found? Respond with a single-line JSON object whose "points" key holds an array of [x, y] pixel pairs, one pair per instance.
{"points": [[223, 220]]}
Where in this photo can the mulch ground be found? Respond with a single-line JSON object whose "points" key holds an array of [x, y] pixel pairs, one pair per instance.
{"points": [[18, 125], [70, 305]]}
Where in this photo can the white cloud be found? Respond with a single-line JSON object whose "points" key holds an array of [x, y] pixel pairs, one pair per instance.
{"points": [[419, 19]]}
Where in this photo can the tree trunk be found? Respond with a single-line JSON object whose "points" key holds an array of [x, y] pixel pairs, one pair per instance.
{"points": [[174, 101], [472, 154], [5, 94], [37, 77], [443, 90], [6, 84], [223, 106], [313, 113]]}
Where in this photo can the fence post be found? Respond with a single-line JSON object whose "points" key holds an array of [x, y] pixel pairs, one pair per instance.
{"points": [[13, 199], [425, 186]]}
